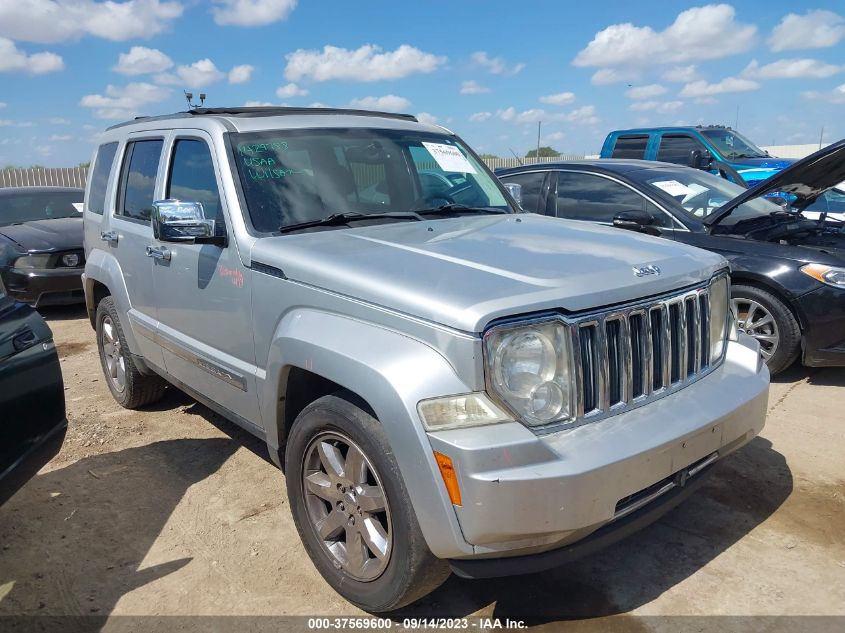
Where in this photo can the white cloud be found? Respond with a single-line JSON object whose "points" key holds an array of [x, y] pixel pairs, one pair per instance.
{"points": [[681, 74], [141, 60], [200, 74], [425, 117], [251, 12], [8, 123], [495, 65], [13, 59], [661, 107], [124, 102], [472, 87], [61, 137], [241, 74], [367, 63], [814, 29], [792, 69], [478, 117], [554, 136], [837, 95], [3, 104], [388, 103], [607, 76], [561, 98], [701, 88], [645, 92], [48, 21], [56, 120], [258, 104], [690, 37], [290, 90], [585, 114]]}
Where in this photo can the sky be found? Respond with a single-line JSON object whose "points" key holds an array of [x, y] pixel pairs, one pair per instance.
{"points": [[490, 71]]}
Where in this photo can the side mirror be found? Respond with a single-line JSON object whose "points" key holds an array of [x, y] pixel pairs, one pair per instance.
{"points": [[634, 220], [179, 221], [515, 190], [700, 159], [779, 199]]}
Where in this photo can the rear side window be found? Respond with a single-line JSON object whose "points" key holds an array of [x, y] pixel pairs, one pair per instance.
{"points": [[532, 189], [676, 148], [598, 199], [100, 178], [138, 179], [630, 147]]}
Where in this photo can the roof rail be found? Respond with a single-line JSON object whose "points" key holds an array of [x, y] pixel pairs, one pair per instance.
{"points": [[266, 111]]}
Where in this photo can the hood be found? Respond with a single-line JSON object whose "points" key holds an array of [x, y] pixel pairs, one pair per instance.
{"points": [[806, 179], [464, 272], [58, 234]]}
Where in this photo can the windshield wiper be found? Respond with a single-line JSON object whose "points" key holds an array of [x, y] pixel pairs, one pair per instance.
{"points": [[459, 208], [339, 219]]}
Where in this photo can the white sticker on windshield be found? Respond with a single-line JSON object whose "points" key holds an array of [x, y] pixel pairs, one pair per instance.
{"points": [[449, 158], [77, 206], [673, 187]]}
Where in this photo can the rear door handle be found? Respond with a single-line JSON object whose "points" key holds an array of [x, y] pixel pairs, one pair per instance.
{"points": [[158, 253], [109, 236]]}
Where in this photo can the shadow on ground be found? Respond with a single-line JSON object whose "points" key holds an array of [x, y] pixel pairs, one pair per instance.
{"points": [[64, 313], [124, 499], [743, 491]]}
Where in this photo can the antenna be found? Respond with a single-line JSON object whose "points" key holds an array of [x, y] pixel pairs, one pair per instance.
{"points": [[516, 157], [189, 96]]}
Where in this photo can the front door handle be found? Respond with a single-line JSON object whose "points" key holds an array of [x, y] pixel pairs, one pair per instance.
{"points": [[108, 236], [23, 340], [158, 253]]}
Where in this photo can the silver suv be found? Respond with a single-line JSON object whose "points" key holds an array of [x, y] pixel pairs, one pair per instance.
{"points": [[448, 384]]}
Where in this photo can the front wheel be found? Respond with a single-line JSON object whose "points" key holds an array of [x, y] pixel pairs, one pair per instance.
{"points": [[351, 508], [765, 317]]}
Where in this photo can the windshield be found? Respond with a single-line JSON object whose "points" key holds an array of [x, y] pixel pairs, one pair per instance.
{"points": [[45, 205], [294, 176], [700, 193], [732, 144]]}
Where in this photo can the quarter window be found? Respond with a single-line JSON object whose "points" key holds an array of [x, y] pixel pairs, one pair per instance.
{"points": [[599, 199], [630, 147], [138, 179], [100, 178], [676, 148], [532, 189]]}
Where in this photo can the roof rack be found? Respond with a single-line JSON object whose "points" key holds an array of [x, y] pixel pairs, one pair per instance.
{"points": [[267, 111]]}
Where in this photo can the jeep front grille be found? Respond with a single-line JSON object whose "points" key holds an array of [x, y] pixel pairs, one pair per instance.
{"points": [[632, 354]]}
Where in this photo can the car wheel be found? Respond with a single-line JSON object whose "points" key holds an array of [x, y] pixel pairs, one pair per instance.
{"points": [[130, 387], [351, 508], [765, 317]]}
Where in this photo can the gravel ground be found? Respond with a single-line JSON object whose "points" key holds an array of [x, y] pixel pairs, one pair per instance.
{"points": [[174, 511]]}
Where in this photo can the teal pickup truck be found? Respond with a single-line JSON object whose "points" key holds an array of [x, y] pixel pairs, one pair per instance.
{"points": [[691, 145]]}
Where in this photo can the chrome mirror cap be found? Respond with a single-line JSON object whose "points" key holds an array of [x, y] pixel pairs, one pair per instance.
{"points": [[515, 190], [180, 221]]}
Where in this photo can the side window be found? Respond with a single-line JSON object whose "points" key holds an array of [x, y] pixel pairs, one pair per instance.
{"points": [[598, 199], [677, 148], [630, 146], [100, 178], [192, 177], [532, 189], [138, 179]]}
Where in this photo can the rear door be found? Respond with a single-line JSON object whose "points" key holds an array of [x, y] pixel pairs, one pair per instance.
{"points": [[203, 290], [131, 233], [676, 148]]}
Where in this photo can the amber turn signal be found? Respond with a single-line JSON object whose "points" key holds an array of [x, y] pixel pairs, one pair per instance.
{"points": [[450, 477]]}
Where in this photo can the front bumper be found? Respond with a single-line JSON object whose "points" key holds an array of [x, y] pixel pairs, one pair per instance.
{"points": [[59, 286], [824, 332], [525, 494]]}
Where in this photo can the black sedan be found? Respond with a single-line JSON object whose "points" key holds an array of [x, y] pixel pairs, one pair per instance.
{"points": [[41, 256], [32, 395], [788, 269]]}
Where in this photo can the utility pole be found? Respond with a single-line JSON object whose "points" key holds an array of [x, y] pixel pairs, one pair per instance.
{"points": [[736, 123], [537, 157]]}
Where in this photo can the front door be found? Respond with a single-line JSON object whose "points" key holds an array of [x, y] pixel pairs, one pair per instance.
{"points": [[203, 290]]}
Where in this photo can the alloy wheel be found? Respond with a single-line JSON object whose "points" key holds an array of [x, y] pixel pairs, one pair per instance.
{"points": [[113, 354], [347, 506], [755, 320]]}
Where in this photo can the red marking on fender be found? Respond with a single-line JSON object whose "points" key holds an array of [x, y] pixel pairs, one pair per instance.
{"points": [[236, 276]]}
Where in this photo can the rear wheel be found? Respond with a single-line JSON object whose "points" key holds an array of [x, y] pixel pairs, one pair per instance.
{"points": [[130, 387], [765, 317], [351, 508]]}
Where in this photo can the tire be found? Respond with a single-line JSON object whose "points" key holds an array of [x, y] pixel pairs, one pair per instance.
{"points": [[773, 325], [408, 570], [129, 387]]}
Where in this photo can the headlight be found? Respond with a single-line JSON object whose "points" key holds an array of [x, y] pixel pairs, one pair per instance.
{"points": [[32, 261], [719, 313], [829, 275], [71, 260], [529, 370]]}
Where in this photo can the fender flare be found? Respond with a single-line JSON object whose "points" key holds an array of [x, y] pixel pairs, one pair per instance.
{"points": [[392, 373], [104, 268]]}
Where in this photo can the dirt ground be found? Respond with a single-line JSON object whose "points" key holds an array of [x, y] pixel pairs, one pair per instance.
{"points": [[173, 510]]}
